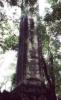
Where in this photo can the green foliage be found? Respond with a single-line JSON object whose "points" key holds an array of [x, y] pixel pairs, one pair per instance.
{"points": [[8, 40], [31, 2], [13, 2], [14, 80], [54, 24], [48, 17], [11, 42], [41, 29], [52, 1], [56, 13], [46, 42], [57, 70], [56, 44]]}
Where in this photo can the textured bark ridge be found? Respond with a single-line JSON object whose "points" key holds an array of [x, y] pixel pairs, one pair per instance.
{"points": [[31, 89]]}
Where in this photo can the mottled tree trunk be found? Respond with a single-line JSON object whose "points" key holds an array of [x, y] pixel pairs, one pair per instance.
{"points": [[22, 50]]}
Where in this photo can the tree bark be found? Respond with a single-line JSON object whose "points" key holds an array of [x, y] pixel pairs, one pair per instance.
{"points": [[22, 50]]}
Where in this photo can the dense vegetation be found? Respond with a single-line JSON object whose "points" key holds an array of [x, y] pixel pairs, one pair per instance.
{"points": [[49, 29]]}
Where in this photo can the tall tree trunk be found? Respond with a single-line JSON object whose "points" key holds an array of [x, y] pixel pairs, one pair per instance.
{"points": [[22, 50]]}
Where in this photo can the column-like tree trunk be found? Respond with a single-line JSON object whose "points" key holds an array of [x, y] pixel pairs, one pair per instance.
{"points": [[22, 50]]}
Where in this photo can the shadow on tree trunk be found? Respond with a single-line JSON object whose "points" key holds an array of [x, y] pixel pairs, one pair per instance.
{"points": [[29, 90]]}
